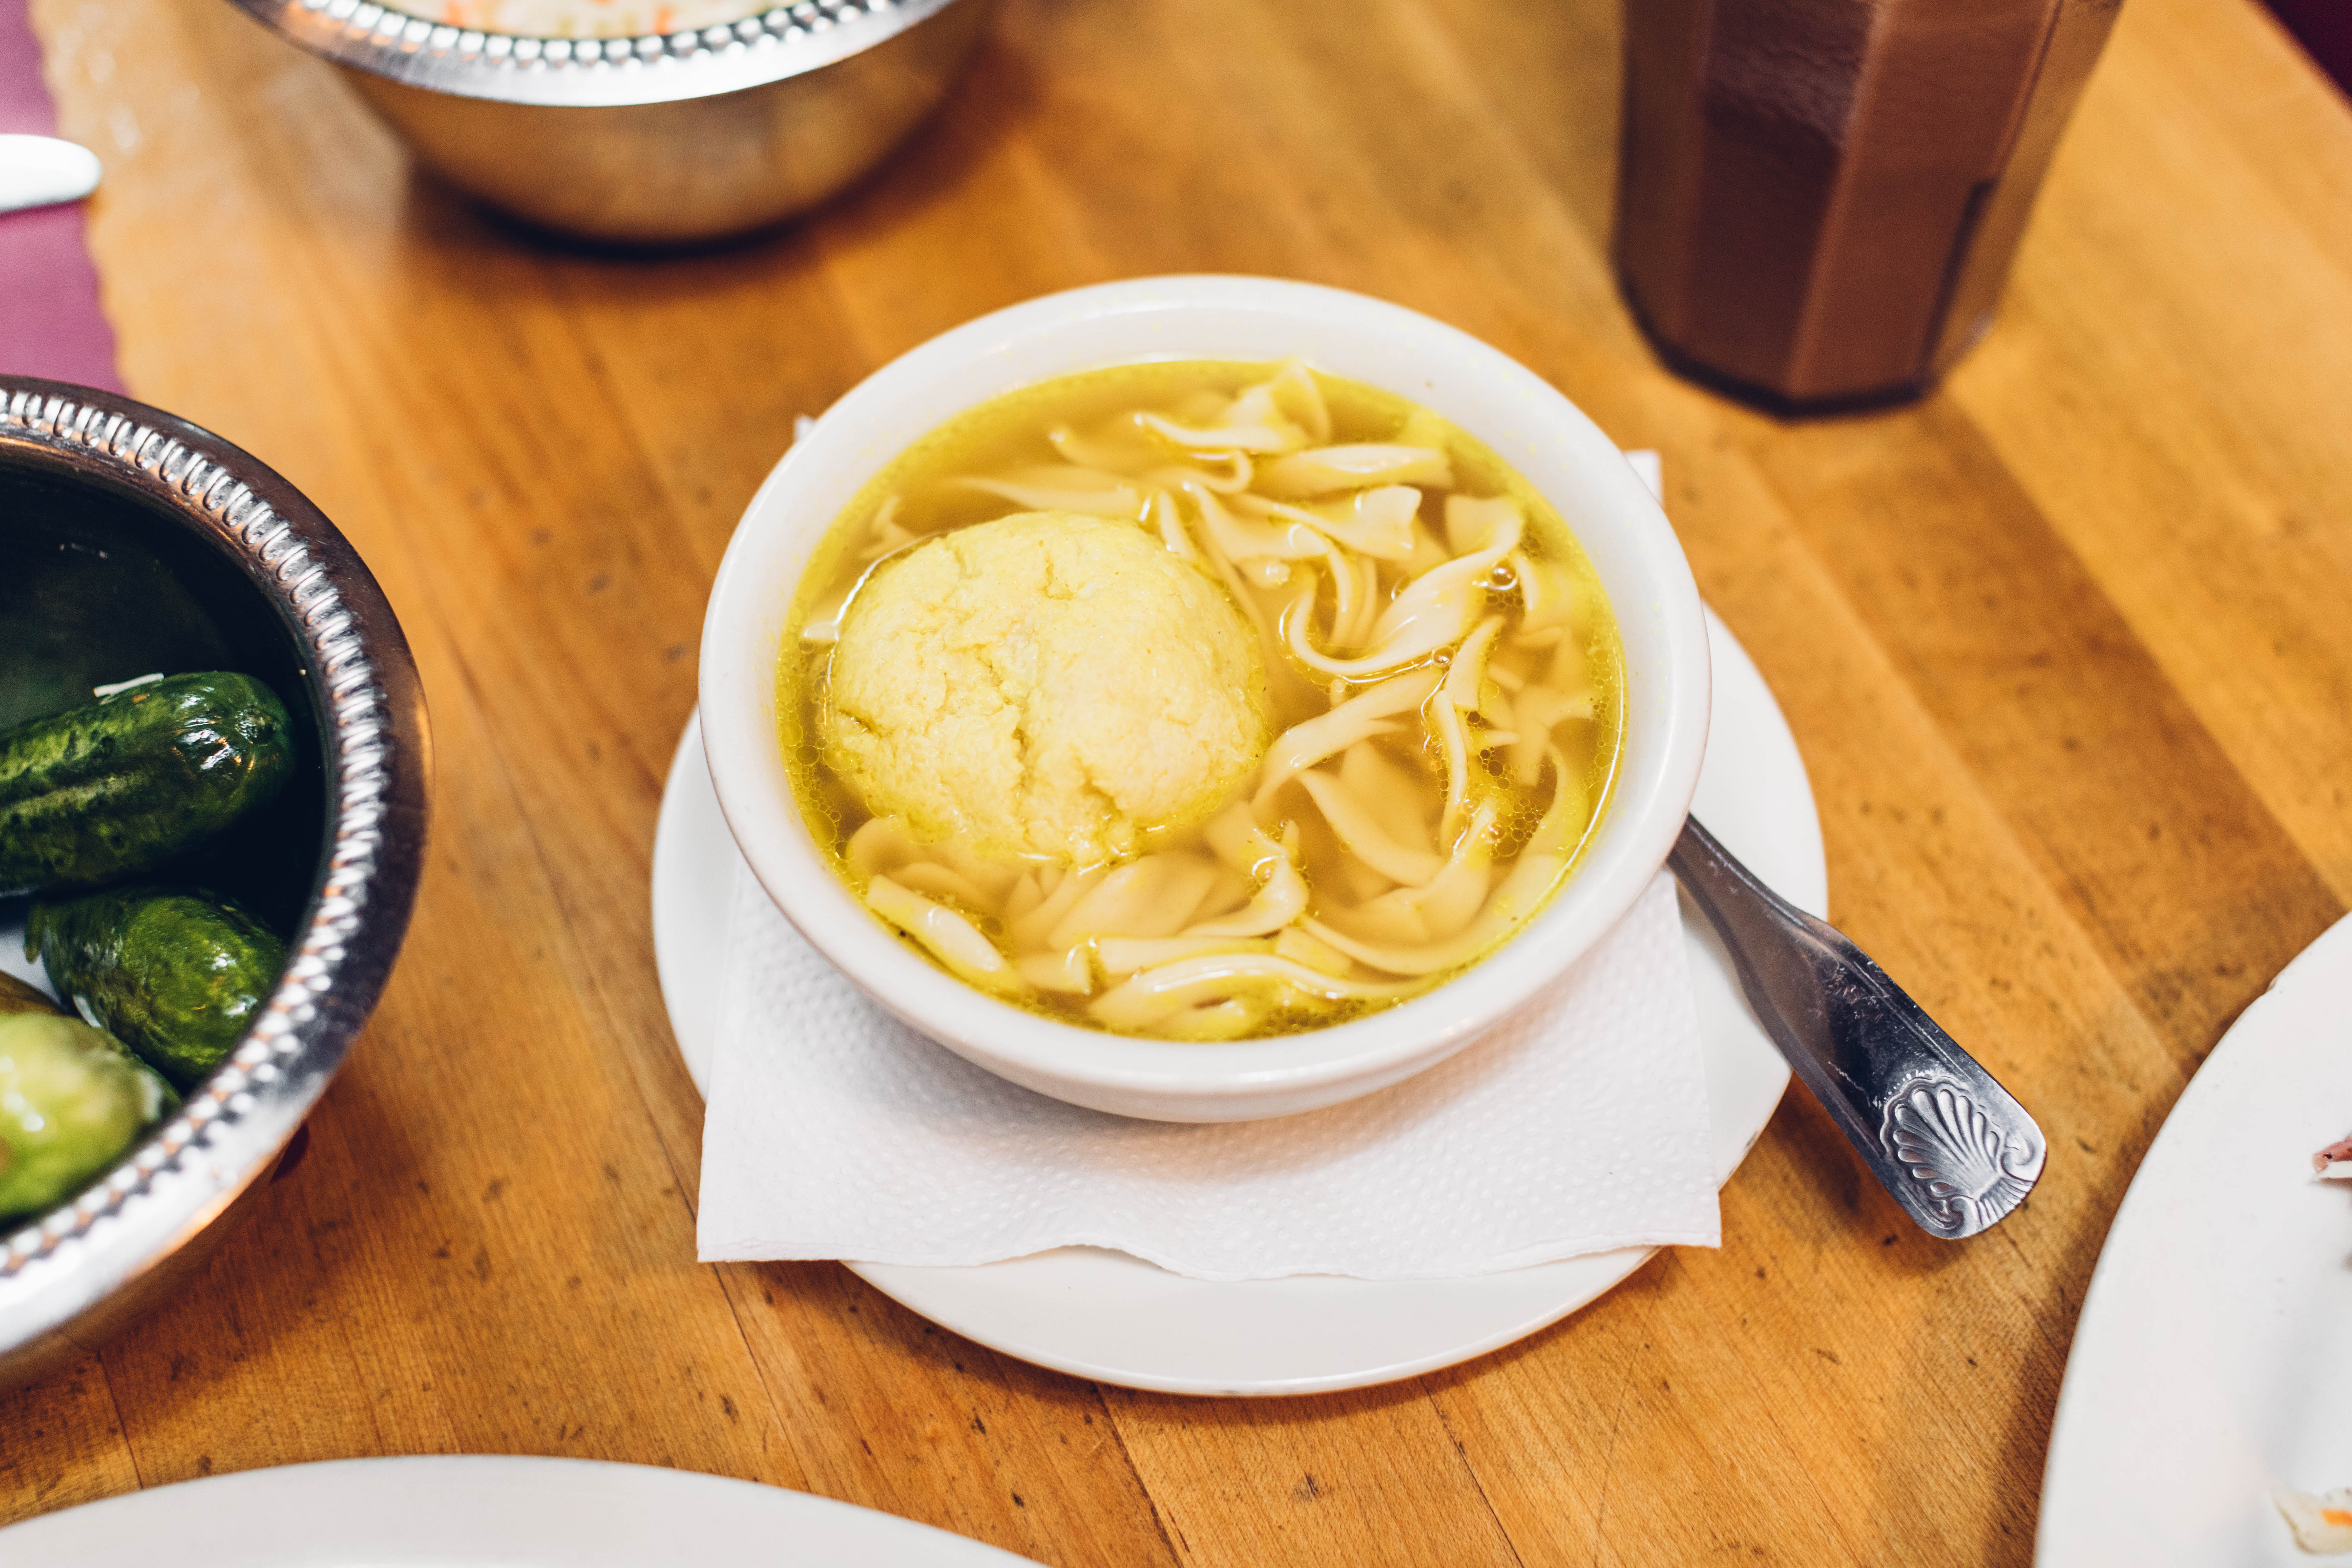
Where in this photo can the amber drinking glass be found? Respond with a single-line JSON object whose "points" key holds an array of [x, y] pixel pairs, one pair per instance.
{"points": [[1818, 199]]}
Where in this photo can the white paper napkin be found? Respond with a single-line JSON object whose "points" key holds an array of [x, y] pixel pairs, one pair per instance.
{"points": [[1580, 1125]]}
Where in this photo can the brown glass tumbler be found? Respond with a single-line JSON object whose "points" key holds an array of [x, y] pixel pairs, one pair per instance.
{"points": [[1817, 200]]}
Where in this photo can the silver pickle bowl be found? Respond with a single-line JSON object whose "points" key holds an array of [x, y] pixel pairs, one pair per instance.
{"points": [[195, 523], [663, 140]]}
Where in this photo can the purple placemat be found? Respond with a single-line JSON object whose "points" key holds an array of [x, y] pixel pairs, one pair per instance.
{"points": [[50, 324]]}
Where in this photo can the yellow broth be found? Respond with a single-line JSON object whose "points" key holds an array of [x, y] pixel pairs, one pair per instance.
{"points": [[1494, 778]]}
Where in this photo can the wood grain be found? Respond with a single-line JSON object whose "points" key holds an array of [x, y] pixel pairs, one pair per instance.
{"points": [[2065, 647]]}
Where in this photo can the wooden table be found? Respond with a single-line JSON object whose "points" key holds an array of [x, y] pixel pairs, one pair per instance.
{"points": [[2068, 648]]}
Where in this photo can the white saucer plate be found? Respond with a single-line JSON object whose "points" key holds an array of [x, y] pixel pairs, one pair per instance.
{"points": [[2214, 1352], [1104, 1315], [474, 1511]]}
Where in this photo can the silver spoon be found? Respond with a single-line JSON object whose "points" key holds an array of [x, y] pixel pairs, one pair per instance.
{"points": [[1935, 1129], [39, 170]]}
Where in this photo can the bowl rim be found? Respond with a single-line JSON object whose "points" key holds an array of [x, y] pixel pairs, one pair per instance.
{"points": [[375, 752], [769, 46], [868, 426]]}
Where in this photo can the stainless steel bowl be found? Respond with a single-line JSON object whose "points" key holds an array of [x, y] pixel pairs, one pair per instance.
{"points": [[658, 139], [266, 573]]}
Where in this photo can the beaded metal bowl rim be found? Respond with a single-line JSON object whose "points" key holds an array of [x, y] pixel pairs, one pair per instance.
{"points": [[769, 46], [376, 756]]}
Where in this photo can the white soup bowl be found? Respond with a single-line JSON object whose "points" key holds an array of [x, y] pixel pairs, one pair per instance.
{"points": [[1501, 403]]}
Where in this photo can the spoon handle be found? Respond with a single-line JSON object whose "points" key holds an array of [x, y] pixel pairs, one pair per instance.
{"points": [[1935, 1129]]}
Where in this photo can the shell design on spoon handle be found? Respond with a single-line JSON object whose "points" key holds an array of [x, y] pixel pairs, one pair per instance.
{"points": [[1938, 1131]]}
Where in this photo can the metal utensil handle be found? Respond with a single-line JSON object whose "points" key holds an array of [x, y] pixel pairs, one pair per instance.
{"points": [[1940, 1132]]}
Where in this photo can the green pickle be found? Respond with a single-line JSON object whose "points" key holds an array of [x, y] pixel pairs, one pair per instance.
{"points": [[72, 1101], [176, 976], [115, 788]]}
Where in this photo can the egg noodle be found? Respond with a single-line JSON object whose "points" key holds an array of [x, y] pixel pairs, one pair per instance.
{"points": [[1442, 676]]}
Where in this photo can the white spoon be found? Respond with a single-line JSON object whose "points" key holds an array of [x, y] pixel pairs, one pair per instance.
{"points": [[37, 171]]}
